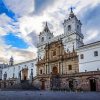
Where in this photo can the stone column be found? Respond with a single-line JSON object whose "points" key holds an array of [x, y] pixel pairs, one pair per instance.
{"points": [[48, 69], [62, 67]]}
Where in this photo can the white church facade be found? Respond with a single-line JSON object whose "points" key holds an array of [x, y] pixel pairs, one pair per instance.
{"points": [[89, 57], [27, 69]]}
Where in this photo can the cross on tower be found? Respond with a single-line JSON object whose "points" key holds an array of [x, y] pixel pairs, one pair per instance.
{"points": [[72, 8]]}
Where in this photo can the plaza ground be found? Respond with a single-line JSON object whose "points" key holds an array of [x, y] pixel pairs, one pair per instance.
{"points": [[48, 95]]}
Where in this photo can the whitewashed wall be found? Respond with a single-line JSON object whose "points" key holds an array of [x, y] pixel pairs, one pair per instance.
{"points": [[18, 67], [90, 62]]}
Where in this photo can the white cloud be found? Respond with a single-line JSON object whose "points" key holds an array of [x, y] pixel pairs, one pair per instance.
{"points": [[91, 34], [19, 54], [28, 23], [7, 25], [55, 15], [20, 7]]}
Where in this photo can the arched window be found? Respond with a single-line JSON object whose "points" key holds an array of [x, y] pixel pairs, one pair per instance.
{"points": [[82, 56], [95, 53], [41, 71], [42, 39], [69, 27], [69, 67], [5, 76]]}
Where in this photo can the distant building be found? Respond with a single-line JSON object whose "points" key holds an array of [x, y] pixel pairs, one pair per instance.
{"points": [[25, 69]]}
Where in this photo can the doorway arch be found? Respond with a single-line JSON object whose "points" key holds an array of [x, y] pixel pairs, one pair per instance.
{"points": [[25, 74], [92, 84]]}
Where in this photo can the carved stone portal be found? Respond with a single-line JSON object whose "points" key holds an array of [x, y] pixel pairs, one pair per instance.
{"points": [[25, 74]]}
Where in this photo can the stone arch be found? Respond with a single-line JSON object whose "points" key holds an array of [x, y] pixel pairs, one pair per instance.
{"points": [[92, 83]]}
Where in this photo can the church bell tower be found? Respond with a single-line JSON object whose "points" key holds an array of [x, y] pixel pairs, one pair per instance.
{"points": [[72, 29], [44, 37], [11, 62]]}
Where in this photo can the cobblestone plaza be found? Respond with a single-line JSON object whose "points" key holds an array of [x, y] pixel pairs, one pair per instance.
{"points": [[48, 95]]}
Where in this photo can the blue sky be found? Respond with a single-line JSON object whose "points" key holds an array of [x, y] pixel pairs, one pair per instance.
{"points": [[4, 9], [15, 41], [21, 21], [12, 39]]}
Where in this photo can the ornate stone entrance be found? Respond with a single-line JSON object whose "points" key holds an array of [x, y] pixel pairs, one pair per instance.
{"points": [[92, 84], [25, 74]]}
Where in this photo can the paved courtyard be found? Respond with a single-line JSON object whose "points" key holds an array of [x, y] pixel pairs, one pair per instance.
{"points": [[47, 95]]}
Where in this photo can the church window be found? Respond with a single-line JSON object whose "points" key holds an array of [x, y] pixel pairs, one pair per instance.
{"points": [[81, 56], [41, 71], [69, 67], [69, 27], [95, 53], [77, 26], [54, 53], [42, 39], [5, 76]]}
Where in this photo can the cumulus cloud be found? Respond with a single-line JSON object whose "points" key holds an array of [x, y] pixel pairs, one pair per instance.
{"points": [[32, 14], [20, 7], [19, 54]]}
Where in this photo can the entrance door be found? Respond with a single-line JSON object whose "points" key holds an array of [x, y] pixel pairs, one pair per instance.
{"points": [[43, 85], [92, 84], [71, 86]]}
